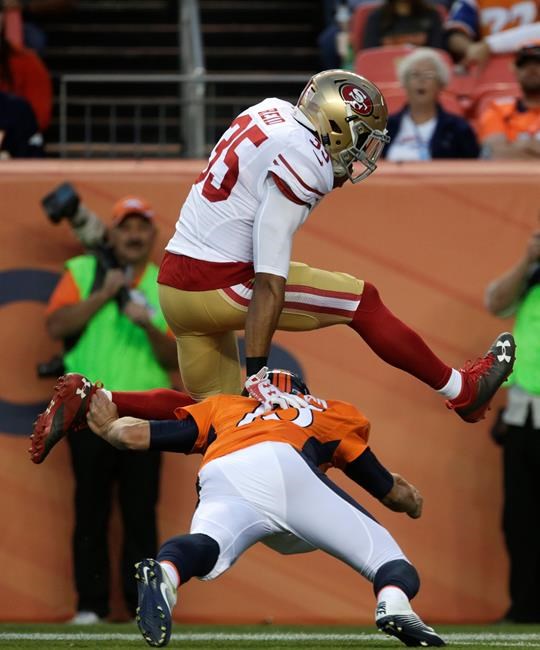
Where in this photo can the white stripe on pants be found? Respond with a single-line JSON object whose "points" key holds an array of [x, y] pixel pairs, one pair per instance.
{"points": [[268, 491]]}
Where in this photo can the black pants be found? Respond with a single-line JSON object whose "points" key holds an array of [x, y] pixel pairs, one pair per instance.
{"points": [[521, 520], [97, 466]]}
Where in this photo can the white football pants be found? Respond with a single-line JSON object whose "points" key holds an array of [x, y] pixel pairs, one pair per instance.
{"points": [[268, 492]]}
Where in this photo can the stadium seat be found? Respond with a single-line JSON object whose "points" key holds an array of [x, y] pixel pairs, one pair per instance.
{"points": [[499, 69], [395, 97], [358, 23], [497, 77], [13, 27], [379, 64]]}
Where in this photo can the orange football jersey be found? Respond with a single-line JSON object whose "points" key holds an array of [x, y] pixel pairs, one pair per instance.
{"points": [[508, 117], [480, 18], [332, 433]]}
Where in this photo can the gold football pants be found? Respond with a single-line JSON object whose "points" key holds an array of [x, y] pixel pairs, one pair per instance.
{"points": [[205, 322]]}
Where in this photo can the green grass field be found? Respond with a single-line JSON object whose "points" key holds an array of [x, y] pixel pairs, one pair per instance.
{"points": [[124, 636]]}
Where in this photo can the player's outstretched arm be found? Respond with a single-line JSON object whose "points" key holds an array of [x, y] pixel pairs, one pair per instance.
{"points": [[404, 497], [122, 433], [178, 436]]}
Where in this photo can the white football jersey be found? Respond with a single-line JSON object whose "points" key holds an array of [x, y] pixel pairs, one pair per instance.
{"points": [[216, 220]]}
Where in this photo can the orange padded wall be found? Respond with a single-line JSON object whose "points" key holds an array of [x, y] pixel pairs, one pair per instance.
{"points": [[430, 237]]}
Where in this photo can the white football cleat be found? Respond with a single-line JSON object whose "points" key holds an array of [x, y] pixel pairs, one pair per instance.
{"points": [[395, 617]]}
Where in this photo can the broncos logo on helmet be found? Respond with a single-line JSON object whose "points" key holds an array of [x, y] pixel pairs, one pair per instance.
{"points": [[288, 382]]}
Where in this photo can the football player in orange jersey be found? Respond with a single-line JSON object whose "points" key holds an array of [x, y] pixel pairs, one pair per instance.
{"points": [[246, 447]]}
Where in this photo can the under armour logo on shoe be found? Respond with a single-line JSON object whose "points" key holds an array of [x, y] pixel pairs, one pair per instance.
{"points": [[381, 608], [81, 391], [503, 356]]}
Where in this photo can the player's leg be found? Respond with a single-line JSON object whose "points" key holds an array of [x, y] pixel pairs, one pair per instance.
{"points": [[155, 404], [468, 391], [204, 323], [223, 527], [316, 298], [210, 364], [317, 511], [158, 581], [67, 410]]}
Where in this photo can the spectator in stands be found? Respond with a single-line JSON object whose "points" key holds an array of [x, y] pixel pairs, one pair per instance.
{"points": [[476, 29], [19, 133], [398, 22], [335, 49], [112, 325], [510, 128], [23, 73], [423, 130], [517, 293], [34, 35]]}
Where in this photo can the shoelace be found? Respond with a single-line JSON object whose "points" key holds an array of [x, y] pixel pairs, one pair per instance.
{"points": [[477, 368]]}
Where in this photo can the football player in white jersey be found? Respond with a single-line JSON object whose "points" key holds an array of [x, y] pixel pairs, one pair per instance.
{"points": [[227, 266]]}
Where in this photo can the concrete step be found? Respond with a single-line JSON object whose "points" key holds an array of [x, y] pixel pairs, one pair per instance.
{"points": [[251, 34], [261, 11], [104, 59], [110, 35], [263, 57]]}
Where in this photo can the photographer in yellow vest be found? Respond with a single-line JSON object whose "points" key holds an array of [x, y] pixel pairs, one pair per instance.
{"points": [[105, 309], [517, 293]]}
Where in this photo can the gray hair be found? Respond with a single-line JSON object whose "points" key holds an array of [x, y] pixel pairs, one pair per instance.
{"points": [[424, 54]]}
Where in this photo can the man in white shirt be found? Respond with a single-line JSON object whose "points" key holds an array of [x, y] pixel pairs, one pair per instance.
{"points": [[227, 266]]}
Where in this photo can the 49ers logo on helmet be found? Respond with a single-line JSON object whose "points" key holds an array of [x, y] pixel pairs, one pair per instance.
{"points": [[358, 100]]}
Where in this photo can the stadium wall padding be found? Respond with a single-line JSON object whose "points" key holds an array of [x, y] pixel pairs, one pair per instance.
{"points": [[430, 237]]}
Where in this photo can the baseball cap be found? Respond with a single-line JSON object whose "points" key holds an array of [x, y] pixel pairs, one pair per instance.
{"points": [[131, 205], [528, 52]]}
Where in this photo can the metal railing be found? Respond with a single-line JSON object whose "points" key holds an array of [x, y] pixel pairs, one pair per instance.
{"points": [[192, 64], [163, 115]]}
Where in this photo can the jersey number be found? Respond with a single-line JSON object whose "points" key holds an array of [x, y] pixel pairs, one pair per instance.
{"points": [[496, 19], [225, 152], [303, 418]]}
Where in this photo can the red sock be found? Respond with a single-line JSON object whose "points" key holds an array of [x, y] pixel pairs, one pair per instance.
{"points": [[157, 404], [395, 342]]}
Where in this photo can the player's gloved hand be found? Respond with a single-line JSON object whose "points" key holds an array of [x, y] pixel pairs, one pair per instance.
{"points": [[260, 387]]}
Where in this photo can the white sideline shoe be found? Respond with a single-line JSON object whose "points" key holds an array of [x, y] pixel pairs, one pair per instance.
{"points": [[85, 618]]}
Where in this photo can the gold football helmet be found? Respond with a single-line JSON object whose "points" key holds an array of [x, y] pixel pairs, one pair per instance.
{"points": [[350, 115]]}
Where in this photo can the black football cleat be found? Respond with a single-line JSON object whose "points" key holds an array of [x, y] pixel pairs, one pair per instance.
{"points": [[483, 378], [157, 597]]}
